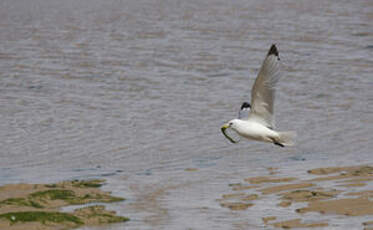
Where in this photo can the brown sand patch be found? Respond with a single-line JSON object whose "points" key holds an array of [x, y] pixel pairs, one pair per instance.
{"points": [[233, 196], [309, 195], [284, 204], [358, 179], [351, 207], [367, 193], [16, 190], [266, 179], [328, 170], [268, 219], [241, 196], [238, 196], [243, 187], [191, 169], [353, 185], [272, 170], [236, 206], [280, 188], [250, 197], [296, 223], [344, 173], [354, 170], [339, 177]]}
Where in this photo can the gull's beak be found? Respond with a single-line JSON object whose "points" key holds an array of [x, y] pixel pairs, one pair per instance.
{"points": [[223, 128]]}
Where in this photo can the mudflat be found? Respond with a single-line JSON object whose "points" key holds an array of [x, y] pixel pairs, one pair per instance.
{"points": [[329, 192], [37, 206]]}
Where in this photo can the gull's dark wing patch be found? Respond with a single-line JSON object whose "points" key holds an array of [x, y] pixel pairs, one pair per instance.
{"points": [[244, 111], [273, 51], [245, 105]]}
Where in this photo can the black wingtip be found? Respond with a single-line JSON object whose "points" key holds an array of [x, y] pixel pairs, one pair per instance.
{"points": [[273, 51], [245, 105]]}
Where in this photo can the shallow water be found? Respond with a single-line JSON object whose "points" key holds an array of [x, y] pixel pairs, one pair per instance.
{"points": [[135, 92]]}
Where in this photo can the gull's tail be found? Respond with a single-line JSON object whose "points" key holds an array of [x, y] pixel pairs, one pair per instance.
{"points": [[286, 138]]}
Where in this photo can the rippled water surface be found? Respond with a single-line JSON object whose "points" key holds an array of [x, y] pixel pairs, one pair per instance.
{"points": [[135, 92]]}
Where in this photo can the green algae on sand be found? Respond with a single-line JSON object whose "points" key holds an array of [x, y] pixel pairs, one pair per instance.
{"points": [[21, 202], [54, 194], [87, 183], [36, 206], [70, 197], [41, 216], [98, 215]]}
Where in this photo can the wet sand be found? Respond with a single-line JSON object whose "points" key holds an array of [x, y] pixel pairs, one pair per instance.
{"points": [[317, 195], [37, 206]]}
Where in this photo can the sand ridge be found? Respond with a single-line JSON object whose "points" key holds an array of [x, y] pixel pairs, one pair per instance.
{"points": [[321, 197]]}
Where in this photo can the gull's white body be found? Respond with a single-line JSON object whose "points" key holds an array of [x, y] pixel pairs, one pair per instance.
{"points": [[259, 123], [254, 131]]}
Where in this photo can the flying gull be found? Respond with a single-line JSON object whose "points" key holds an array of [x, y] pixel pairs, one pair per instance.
{"points": [[256, 120]]}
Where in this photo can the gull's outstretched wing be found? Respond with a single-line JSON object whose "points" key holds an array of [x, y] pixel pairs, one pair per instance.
{"points": [[263, 91]]}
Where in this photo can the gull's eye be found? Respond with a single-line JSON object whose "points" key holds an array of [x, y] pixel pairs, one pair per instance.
{"points": [[230, 123]]}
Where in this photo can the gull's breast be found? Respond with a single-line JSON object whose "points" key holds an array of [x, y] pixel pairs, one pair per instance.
{"points": [[255, 131]]}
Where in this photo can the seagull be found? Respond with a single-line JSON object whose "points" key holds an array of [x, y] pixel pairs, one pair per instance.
{"points": [[256, 120]]}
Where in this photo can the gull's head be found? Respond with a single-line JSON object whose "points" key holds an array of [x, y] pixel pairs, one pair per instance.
{"points": [[230, 124]]}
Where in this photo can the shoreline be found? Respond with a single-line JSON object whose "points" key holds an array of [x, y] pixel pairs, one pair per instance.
{"points": [[331, 192]]}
